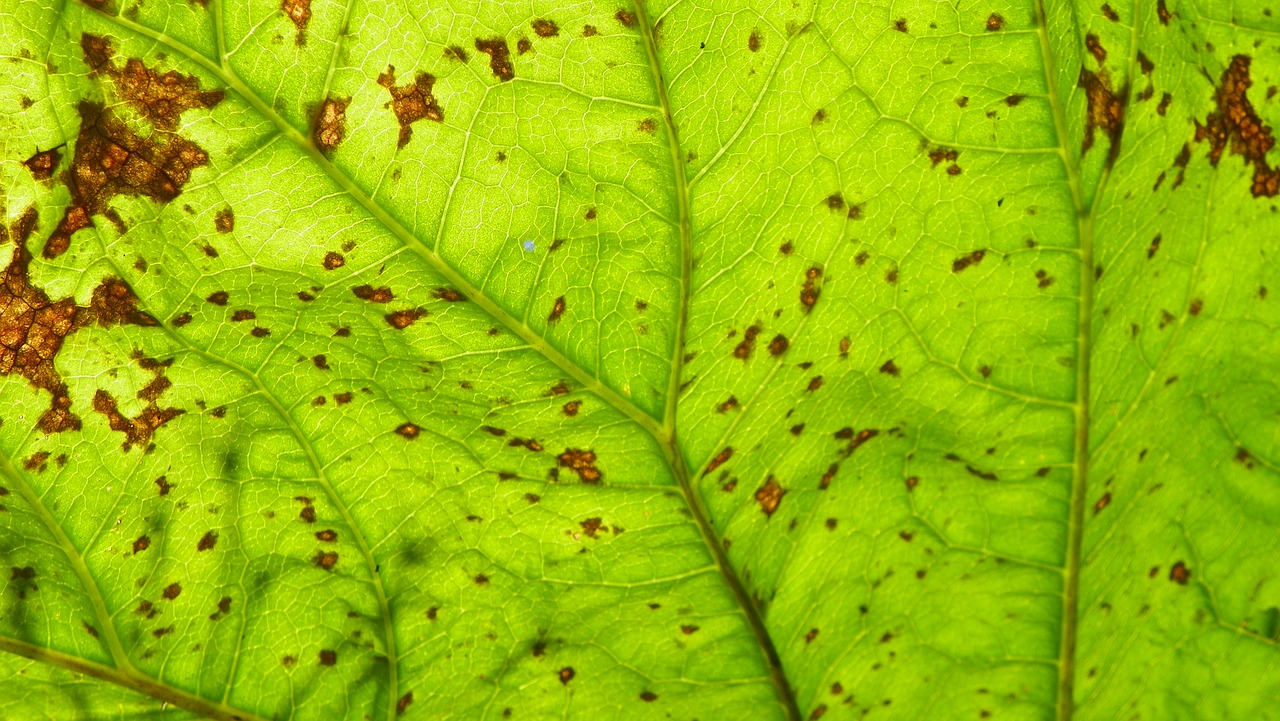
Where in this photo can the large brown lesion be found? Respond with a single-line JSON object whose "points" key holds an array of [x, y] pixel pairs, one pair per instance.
{"points": [[33, 326], [1236, 126], [160, 97], [411, 102], [139, 430]]}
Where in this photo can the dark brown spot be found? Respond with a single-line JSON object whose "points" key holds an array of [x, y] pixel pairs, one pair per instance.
{"points": [[243, 315], [411, 102], [1154, 246], [1179, 573], [689, 629], [402, 319], [769, 496], [718, 461], [1236, 126], [408, 430], [259, 332], [219, 298], [327, 536], [581, 462], [567, 673], [1014, 100], [810, 291], [325, 559], [1163, 12], [1163, 107], [829, 476], [180, 320], [778, 345], [456, 52], [545, 28], [1145, 64], [748, 342], [943, 155], [1105, 111], [891, 276], [557, 310], [571, 408], [625, 17], [449, 294], [589, 31], [43, 163], [299, 13], [499, 57], [900, 25], [891, 368], [994, 23], [648, 696], [481, 579], [330, 124], [591, 526], [814, 384], [333, 261], [1196, 306], [754, 41], [320, 361], [140, 545], [1102, 503], [381, 294], [404, 703], [172, 591], [728, 405], [1094, 46], [207, 541], [967, 260]]}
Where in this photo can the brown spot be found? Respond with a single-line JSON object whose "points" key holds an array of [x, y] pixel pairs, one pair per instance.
{"points": [[163, 484], [243, 315], [900, 25], [1043, 279], [567, 673], [779, 345], [1179, 573], [499, 57], [984, 475], [456, 52], [139, 430], [43, 163], [1145, 64], [754, 41], [207, 541], [1102, 503], [219, 298], [402, 319], [1236, 125], [1014, 100], [558, 389], [37, 462], [330, 124], [408, 430], [589, 31], [769, 496], [259, 332], [523, 45], [545, 28], [689, 629], [529, 444], [591, 526], [172, 591], [571, 408], [481, 579], [111, 160], [648, 696], [810, 291], [404, 703], [625, 17], [411, 102], [307, 514], [962, 101], [829, 476], [381, 294], [718, 461], [557, 310], [835, 201], [325, 559], [582, 462], [327, 536], [180, 320], [1105, 111], [1163, 12], [965, 261], [450, 295], [648, 125], [943, 155], [1163, 107], [994, 23], [1154, 246], [333, 261], [140, 545], [159, 97], [1196, 306], [1094, 46], [728, 405], [891, 368], [1109, 13], [814, 384], [891, 276], [299, 12], [748, 342], [320, 361], [812, 634]]}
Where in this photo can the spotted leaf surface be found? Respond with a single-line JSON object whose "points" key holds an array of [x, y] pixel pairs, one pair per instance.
{"points": [[687, 360]]}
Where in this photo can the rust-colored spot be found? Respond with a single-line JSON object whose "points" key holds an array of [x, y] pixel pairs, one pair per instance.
{"points": [[1105, 110], [111, 160], [754, 41], [1094, 46], [172, 591], [325, 559], [524, 45], [207, 541], [994, 23], [1109, 13], [727, 405], [558, 389], [591, 526], [159, 97], [1196, 306], [829, 476], [1163, 106], [1154, 246], [333, 261], [411, 102], [545, 28], [571, 408], [1102, 503], [689, 629], [812, 634], [328, 657], [779, 345], [810, 291], [307, 514], [567, 673], [1236, 126], [43, 163], [499, 57], [943, 155], [529, 444], [381, 294], [557, 310], [818, 712], [967, 260], [408, 430], [769, 496], [626, 17], [748, 342], [259, 332], [330, 124], [243, 315], [582, 462], [1014, 100], [224, 608], [402, 319], [139, 430], [481, 579], [1163, 12], [404, 703], [1179, 573], [891, 368], [719, 460], [814, 384], [299, 13], [327, 536], [141, 544], [450, 295]]}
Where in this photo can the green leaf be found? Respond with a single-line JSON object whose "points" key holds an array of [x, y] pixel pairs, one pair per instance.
{"points": [[700, 360]]}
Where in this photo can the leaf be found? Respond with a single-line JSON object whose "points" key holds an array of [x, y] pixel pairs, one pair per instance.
{"points": [[706, 360]]}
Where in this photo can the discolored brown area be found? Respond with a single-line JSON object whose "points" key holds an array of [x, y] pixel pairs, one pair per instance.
{"points": [[754, 41], [523, 45], [110, 160], [589, 31], [331, 124], [1094, 46], [411, 102], [1236, 126], [328, 657], [326, 560], [721, 458], [450, 295], [748, 342], [159, 97], [810, 291], [207, 541], [582, 462], [769, 496], [402, 319], [557, 310], [571, 408], [141, 544], [779, 345], [139, 430], [1105, 111], [499, 57], [381, 294], [969, 259], [225, 220], [408, 430], [943, 155], [299, 13], [1179, 573], [172, 591], [994, 23], [626, 17], [43, 163], [545, 28], [456, 52], [567, 673]]}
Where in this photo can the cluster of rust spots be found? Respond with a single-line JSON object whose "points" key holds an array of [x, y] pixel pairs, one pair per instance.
{"points": [[110, 159], [810, 291], [748, 342], [159, 97], [545, 28], [43, 163], [499, 57], [299, 13], [967, 260], [582, 462], [411, 102], [1105, 110], [308, 512], [33, 327], [1236, 126], [139, 430], [330, 124], [769, 496], [942, 154], [626, 17]]}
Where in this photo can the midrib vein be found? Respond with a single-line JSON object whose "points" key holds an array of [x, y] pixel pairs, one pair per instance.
{"points": [[1084, 353], [670, 437]]}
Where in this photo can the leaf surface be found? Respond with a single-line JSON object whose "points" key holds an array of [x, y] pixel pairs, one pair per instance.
{"points": [[714, 360]]}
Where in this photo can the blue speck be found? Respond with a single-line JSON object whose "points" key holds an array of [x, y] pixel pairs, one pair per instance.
{"points": [[529, 245]]}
